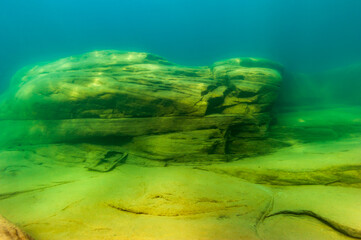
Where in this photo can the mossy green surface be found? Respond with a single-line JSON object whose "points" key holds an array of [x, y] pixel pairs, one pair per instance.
{"points": [[151, 150], [309, 190], [144, 104]]}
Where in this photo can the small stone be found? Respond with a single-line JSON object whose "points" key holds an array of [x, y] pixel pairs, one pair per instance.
{"points": [[9, 231]]}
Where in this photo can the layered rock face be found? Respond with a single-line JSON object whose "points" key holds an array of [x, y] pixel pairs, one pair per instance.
{"points": [[144, 104]]}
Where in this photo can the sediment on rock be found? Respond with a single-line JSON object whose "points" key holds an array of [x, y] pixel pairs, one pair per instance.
{"points": [[142, 101], [337, 176]]}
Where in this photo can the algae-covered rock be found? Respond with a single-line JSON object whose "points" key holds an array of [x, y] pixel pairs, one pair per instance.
{"points": [[143, 101], [310, 190]]}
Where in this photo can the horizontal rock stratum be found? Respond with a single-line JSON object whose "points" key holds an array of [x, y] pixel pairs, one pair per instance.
{"points": [[142, 102]]}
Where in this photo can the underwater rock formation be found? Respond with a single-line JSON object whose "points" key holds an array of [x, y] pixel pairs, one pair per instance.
{"points": [[145, 104], [310, 190], [9, 231]]}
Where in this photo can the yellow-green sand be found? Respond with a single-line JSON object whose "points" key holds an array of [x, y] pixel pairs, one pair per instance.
{"points": [[54, 199], [114, 145]]}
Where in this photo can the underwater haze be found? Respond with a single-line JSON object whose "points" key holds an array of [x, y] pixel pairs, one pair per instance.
{"points": [[305, 36], [180, 120]]}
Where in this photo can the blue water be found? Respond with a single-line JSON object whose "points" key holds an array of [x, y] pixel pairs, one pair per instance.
{"points": [[304, 35]]}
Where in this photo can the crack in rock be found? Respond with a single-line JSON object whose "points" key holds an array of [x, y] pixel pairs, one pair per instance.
{"points": [[345, 230], [13, 194], [263, 215]]}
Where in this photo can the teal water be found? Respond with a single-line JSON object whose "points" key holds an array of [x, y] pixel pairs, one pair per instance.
{"points": [[305, 36], [179, 119]]}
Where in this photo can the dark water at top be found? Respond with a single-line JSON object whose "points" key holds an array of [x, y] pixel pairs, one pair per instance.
{"points": [[305, 36]]}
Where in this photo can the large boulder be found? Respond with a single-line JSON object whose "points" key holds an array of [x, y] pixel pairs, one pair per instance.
{"points": [[144, 104]]}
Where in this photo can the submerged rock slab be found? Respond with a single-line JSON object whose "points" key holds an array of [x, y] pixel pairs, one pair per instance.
{"points": [[143, 102], [135, 202], [308, 191]]}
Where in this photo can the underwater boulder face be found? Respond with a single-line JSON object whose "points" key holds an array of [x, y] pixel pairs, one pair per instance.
{"points": [[144, 104]]}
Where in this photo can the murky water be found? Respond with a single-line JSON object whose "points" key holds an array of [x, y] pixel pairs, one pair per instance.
{"points": [[180, 120]]}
